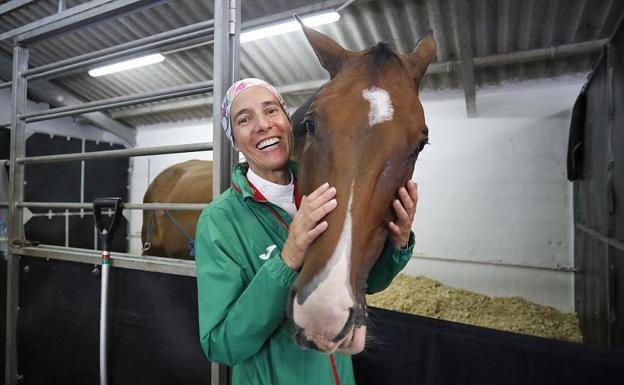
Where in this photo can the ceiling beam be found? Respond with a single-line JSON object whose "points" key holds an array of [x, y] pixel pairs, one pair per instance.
{"points": [[464, 44], [75, 17], [12, 5], [582, 48], [56, 96]]}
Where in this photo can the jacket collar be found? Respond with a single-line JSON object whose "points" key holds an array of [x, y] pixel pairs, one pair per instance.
{"points": [[242, 186]]}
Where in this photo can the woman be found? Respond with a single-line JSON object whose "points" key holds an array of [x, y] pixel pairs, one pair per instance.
{"points": [[246, 260]]}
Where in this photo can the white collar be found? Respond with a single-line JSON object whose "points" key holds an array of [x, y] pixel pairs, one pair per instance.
{"points": [[272, 191]]}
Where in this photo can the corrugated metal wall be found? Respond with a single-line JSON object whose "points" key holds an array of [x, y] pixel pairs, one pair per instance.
{"points": [[598, 201]]}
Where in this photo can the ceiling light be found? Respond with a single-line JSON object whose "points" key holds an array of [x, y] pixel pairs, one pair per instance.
{"points": [[313, 20], [126, 65]]}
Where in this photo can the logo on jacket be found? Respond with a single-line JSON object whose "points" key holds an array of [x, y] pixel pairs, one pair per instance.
{"points": [[267, 255]]}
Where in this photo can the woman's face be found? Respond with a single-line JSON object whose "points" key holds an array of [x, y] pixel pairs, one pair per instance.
{"points": [[261, 130]]}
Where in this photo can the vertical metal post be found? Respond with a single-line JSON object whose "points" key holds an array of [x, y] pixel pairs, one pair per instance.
{"points": [[225, 72], [464, 40], [16, 193], [227, 18], [610, 198]]}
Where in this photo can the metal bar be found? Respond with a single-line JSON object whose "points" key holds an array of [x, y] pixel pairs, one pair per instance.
{"points": [[51, 214], [62, 5], [52, 19], [345, 5], [118, 260], [225, 42], [497, 263], [540, 53], [90, 13], [13, 5], [126, 206], [66, 228], [464, 40], [16, 193], [609, 241], [136, 46], [120, 101], [82, 171], [6, 85], [225, 71], [111, 154]]}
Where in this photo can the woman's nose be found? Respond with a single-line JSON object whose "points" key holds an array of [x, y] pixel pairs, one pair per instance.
{"points": [[264, 123]]}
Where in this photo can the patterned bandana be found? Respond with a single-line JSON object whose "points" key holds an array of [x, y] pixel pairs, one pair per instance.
{"points": [[236, 89]]}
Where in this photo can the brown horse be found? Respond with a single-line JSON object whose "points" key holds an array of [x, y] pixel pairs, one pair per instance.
{"points": [[168, 233], [366, 128]]}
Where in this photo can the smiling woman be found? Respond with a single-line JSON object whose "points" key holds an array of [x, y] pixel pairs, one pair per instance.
{"points": [[262, 133], [251, 242]]}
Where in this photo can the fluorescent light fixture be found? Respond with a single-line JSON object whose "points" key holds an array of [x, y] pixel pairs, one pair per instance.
{"points": [[126, 65], [289, 26]]}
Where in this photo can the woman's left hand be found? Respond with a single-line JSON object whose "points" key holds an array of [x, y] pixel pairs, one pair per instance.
{"points": [[405, 210]]}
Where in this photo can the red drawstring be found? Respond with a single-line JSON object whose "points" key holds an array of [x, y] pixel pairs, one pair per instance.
{"points": [[333, 365]]}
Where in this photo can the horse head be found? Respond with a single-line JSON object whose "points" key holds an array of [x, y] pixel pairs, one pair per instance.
{"points": [[365, 129]]}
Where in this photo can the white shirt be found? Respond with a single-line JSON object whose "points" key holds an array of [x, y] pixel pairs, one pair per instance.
{"points": [[278, 194]]}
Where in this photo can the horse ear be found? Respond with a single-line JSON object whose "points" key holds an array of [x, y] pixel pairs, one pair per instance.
{"points": [[330, 54], [422, 55]]}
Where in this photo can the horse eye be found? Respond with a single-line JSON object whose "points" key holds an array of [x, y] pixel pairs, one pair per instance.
{"points": [[419, 148], [423, 143], [310, 126]]}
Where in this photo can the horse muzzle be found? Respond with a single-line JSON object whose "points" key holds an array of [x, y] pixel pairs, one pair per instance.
{"points": [[326, 323]]}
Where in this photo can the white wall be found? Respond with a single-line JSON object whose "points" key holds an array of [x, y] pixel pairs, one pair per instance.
{"points": [[493, 192], [494, 195], [145, 169]]}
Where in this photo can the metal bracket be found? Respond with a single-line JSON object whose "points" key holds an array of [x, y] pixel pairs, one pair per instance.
{"points": [[232, 17]]}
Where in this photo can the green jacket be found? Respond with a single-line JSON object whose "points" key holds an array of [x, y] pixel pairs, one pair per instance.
{"points": [[243, 287]]}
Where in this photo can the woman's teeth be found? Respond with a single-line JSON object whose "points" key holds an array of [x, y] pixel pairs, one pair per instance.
{"points": [[268, 143]]}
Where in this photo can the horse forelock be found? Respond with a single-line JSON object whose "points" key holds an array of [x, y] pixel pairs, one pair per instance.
{"points": [[382, 54]]}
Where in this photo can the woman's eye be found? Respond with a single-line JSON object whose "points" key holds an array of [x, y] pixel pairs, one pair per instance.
{"points": [[244, 120], [271, 111]]}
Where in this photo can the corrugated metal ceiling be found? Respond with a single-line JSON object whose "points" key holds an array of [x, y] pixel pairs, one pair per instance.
{"points": [[496, 27]]}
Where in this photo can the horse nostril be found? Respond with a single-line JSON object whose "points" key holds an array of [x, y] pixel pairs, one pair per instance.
{"points": [[346, 328]]}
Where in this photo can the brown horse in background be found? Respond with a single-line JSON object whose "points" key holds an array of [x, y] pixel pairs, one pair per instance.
{"points": [[187, 182], [366, 128], [167, 233]]}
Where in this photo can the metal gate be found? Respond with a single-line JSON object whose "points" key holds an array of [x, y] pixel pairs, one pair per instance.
{"points": [[36, 276]]}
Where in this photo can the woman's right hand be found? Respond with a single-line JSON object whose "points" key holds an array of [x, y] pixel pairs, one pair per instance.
{"points": [[307, 225]]}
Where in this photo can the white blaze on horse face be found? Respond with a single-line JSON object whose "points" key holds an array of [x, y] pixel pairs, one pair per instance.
{"points": [[380, 105], [326, 310]]}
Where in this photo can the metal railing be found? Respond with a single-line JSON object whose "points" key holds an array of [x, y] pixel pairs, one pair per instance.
{"points": [[112, 154], [120, 101], [126, 206], [224, 30]]}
